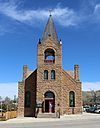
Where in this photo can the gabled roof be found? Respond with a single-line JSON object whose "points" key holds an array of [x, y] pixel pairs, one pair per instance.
{"points": [[71, 73], [50, 30]]}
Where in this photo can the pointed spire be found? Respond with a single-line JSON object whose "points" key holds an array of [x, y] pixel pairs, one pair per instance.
{"points": [[50, 30]]}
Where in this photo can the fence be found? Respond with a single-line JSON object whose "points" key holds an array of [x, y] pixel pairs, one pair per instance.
{"points": [[8, 115]]}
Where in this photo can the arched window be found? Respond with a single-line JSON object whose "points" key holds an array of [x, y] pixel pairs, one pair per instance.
{"points": [[49, 55], [27, 99], [45, 74], [49, 94], [71, 99], [53, 74]]}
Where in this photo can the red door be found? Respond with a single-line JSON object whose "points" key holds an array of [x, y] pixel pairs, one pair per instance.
{"points": [[50, 106]]}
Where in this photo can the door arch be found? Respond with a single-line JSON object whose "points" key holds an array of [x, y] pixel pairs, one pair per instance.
{"points": [[49, 102]]}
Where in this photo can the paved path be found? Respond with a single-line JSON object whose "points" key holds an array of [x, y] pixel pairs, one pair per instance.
{"points": [[86, 120], [84, 116]]}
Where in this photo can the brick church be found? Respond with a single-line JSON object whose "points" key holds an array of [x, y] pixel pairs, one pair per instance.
{"points": [[49, 88]]}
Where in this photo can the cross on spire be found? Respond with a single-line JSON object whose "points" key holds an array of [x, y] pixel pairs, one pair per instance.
{"points": [[50, 11]]}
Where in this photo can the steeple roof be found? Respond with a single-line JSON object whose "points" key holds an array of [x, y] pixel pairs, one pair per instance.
{"points": [[50, 30]]}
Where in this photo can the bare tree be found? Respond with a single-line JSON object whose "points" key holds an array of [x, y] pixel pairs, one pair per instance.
{"points": [[1, 103], [94, 97]]}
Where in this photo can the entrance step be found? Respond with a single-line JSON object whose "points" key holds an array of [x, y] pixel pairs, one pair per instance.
{"points": [[46, 115]]}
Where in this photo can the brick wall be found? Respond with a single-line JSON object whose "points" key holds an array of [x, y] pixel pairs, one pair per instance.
{"points": [[21, 99], [30, 85]]}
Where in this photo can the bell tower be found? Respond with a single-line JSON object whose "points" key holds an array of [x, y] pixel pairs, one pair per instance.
{"points": [[49, 63], [49, 48]]}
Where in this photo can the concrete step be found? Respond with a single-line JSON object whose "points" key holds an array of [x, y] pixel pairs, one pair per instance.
{"points": [[46, 115]]}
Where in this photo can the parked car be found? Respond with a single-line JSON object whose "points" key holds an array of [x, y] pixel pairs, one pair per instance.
{"points": [[97, 111], [91, 110], [86, 108], [1, 110]]}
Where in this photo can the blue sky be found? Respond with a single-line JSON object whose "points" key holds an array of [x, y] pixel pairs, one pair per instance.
{"points": [[22, 23]]}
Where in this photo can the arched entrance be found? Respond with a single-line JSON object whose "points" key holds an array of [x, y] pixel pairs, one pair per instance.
{"points": [[49, 102], [49, 56]]}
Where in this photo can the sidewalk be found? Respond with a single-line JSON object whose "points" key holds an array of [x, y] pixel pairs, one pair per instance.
{"points": [[63, 118], [81, 116]]}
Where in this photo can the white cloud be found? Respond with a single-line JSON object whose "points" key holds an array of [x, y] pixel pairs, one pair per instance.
{"points": [[2, 30], [87, 86], [96, 13], [8, 89], [13, 12], [64, 16], [97, 8]]}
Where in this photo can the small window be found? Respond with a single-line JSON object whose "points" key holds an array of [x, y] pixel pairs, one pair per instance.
{"points": [[45, 75], [27, 99], [71, 99], [53, 74]]}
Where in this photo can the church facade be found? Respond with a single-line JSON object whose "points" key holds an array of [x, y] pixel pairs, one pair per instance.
{"points": [[50, 88]]}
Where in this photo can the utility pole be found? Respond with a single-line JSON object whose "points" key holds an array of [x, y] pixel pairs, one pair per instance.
{"points": [[14, 102], [1, 104]]}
